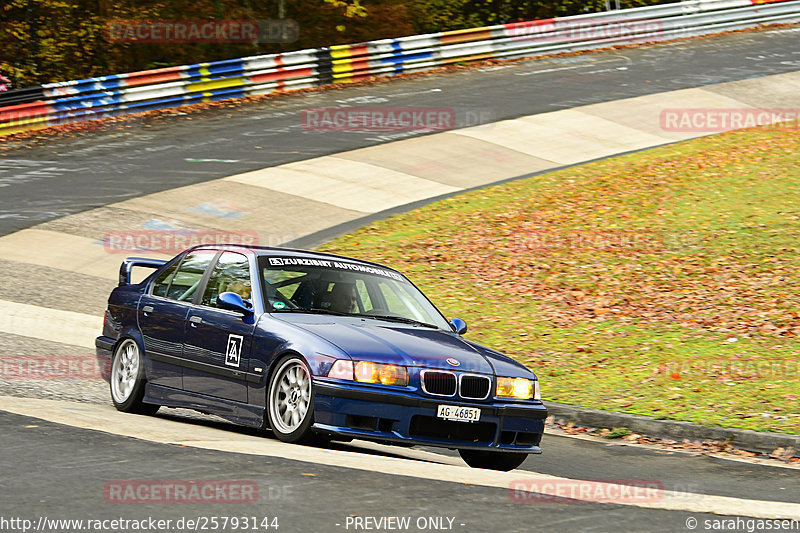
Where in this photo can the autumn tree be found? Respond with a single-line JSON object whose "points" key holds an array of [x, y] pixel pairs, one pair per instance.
{"points": [[54, 40]]}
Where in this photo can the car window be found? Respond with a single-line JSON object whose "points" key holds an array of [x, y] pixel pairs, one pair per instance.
{"points": [[294, 284], [189, 275], [399, 301], [161, 284], [230, 274], [363, 295], [284, 284]]}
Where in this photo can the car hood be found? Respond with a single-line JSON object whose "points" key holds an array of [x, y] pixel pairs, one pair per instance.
{"points": [[387, 342]]}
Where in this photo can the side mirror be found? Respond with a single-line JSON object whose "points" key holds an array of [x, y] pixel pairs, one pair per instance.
{"points": [[458, 325], [233, 302]]}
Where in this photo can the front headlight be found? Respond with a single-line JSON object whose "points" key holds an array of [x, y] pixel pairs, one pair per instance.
{"points": [[518, 388], [369, 372], [341, 369]]}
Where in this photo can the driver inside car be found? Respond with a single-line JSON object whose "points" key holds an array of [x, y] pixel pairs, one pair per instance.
{"points": [[242, 289], [343, 298]]}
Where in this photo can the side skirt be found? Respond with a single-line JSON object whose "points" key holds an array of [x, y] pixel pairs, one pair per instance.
{"points": [[237, 412]]}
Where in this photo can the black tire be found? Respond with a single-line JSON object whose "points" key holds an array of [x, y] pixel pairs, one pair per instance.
{"points": [[127, 379], [290, 401], [503, 461]]}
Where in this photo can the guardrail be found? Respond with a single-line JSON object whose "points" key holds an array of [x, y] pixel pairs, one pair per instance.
{"points": [[71, 101]]}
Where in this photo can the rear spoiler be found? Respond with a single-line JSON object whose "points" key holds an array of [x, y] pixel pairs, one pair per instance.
{"points": [[127, 266]]}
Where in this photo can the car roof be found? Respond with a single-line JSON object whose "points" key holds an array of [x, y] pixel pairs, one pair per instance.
{"points": [[264, 251]]}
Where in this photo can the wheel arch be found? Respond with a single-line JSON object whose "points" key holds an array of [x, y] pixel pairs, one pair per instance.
{"points": [[132, 401], [318, 363], [135, 335], [277, 363], [274, 363]]}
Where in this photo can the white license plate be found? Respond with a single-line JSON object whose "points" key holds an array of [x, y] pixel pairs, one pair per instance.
{"points": [[460, 414]]}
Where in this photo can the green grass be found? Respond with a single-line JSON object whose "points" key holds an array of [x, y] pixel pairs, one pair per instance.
{"points": [[662, 283]]}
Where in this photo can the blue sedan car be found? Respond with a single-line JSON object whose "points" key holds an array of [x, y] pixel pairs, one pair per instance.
{"points": [[314, 346]]}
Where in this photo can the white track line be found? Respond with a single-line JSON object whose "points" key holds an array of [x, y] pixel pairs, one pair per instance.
{"points": [[66, 327], [348, 184], [106, 419]]}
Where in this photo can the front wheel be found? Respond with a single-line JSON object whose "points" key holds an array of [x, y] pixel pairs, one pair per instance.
{"points": [[503, 461], [290, 401], [127, 380]]}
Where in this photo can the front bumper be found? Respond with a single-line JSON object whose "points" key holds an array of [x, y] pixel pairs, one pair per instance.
{"points": [[404, 416]]}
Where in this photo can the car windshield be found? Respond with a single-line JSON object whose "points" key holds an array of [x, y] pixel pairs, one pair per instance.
{"points": [[335, 287]]}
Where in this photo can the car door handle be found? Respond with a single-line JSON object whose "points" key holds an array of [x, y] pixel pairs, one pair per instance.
{"points": [[147, 309], [195, 320]]}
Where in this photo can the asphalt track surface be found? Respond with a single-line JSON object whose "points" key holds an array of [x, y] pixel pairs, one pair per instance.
{"points": [[66, 469], [58, 471], [69, 175]]}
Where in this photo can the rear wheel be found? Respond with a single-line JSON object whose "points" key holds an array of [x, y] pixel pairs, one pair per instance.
{"points": [[503, 461], [290, 401], [128, 380]]}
